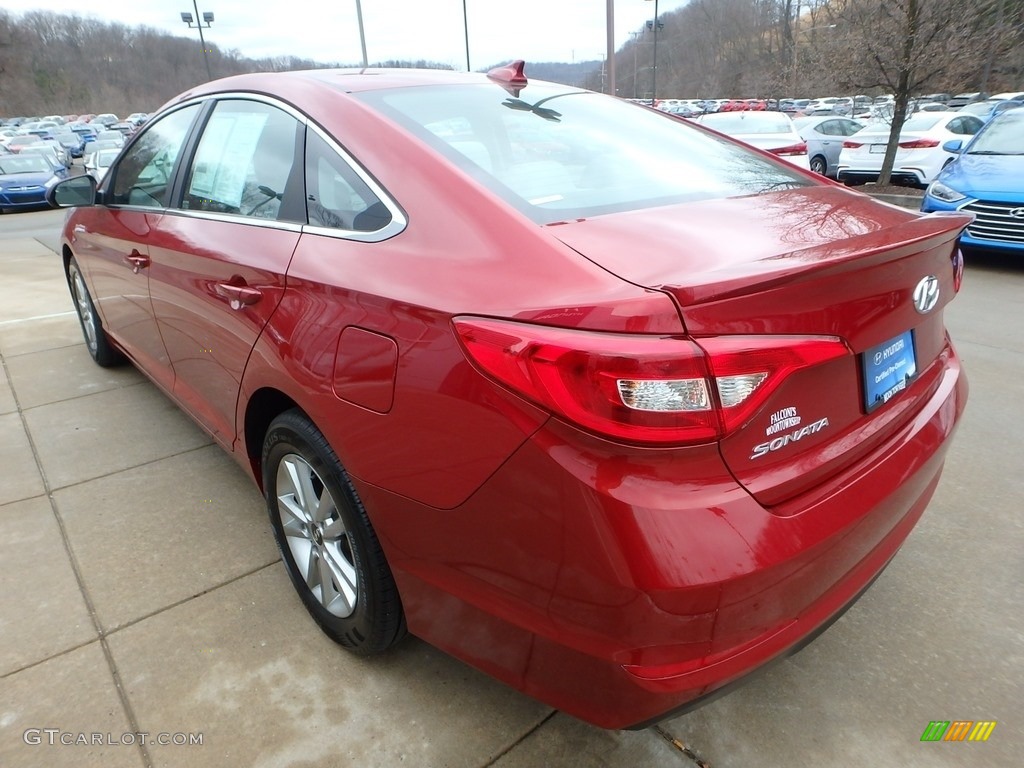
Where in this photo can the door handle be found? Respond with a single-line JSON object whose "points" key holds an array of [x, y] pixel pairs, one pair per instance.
{"points": [[238, 296], [137, 261]]}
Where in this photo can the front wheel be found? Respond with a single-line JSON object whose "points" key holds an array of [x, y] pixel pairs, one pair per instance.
{"points": [[96, 341], [818, 165], [328, 546]]}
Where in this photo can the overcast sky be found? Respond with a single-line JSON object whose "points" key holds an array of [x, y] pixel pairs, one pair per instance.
{"points": [[326, 30]]}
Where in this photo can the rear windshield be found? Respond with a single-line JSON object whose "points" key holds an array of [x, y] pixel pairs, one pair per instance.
{"points": [[557, 154], [922, 122]]}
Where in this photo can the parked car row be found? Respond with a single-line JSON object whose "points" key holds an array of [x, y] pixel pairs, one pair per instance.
{"points": [[53, 143], [106, 119], [860, 107]]}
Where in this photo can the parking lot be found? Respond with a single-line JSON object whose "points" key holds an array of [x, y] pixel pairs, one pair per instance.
{"points": [[142, 594]]}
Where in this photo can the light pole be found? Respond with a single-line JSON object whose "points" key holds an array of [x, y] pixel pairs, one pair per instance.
{"points": [[609, 55], [362, 35], [208, 18], [465, 29], [654, 68], [636, 45]]}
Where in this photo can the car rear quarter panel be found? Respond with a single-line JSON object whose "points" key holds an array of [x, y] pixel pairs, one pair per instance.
{"points": [[463, 252]]}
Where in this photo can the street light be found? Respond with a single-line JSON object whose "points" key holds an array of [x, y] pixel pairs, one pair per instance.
{"points": [[654, 69], [208, 18]]}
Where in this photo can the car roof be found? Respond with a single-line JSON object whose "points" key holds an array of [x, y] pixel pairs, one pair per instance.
{"points": [[345, 80]]}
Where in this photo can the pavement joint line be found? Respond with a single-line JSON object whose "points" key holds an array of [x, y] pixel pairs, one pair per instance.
{"points": [[134, 466], [126, 705], [681, 746], [57, 655], [251, 572], [544, 721], [37, 317], [9, 356], [116, 387]]}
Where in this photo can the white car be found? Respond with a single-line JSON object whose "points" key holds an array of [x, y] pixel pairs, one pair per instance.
{"points": [[920, 156], [771, 131], [99, 162]]}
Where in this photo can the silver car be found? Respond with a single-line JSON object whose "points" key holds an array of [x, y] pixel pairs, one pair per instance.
{"points": [[824, 135]]}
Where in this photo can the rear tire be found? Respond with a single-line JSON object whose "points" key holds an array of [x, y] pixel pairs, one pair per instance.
{"points": [[329, 548], [96, 341]]}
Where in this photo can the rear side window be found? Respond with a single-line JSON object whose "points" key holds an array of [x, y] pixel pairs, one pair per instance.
{"points": [[335, 195], [144, 175], [245, 163]]}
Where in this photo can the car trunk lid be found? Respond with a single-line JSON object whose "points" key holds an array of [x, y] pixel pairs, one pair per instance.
{"points": [[820, 261]]}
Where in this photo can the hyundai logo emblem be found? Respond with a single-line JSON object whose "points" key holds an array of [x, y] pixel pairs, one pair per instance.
{"points": [[1017, 213], [926, 294]]}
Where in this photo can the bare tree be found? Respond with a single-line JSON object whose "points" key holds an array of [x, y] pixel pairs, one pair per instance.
{"points": [[905, 47]]}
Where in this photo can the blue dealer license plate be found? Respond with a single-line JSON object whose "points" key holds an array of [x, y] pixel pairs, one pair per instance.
{"points": [[888, 370]]}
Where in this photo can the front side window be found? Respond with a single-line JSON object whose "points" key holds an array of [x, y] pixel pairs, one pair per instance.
{"points": [[144, 175], [245, 162]]}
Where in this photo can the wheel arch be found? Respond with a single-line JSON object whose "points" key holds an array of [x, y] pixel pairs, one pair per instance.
{"points": [[265, 405]]}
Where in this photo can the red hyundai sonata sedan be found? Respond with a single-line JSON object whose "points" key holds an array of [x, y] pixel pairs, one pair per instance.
{"points": [[605, 404]]}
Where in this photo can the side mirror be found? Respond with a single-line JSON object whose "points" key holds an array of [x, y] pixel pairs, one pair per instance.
{"points": [[73, 192], [953, 145]]}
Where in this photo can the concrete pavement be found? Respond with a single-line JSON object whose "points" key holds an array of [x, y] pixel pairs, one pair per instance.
{"points": [[141, 592]]}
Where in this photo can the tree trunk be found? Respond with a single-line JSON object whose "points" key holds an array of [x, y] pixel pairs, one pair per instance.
{"points": [[902, 95]]}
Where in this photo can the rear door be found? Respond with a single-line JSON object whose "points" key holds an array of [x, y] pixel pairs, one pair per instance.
{"points": [[219, 259]]}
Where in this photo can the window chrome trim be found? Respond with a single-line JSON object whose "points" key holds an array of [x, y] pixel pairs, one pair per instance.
{"points": [[394, 227], [398, 221], [243, 96], [233, 218]]}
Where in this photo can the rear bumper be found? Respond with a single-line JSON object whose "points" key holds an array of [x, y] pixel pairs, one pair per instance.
{"points": [[619, 584], [898, 176]]}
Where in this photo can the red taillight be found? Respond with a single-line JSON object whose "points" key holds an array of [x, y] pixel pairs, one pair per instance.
{"points": [[792, 149], [919, 144], [637, 388], [735, 359], [852, 145]]}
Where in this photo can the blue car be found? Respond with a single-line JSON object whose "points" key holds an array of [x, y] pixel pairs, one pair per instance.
{"points": [[986, 110], [24, 181], [986, 179]]}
